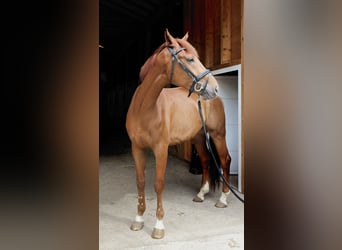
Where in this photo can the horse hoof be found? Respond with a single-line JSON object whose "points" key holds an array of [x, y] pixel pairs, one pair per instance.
{"points": [[197, 199], [136, 225], [220, 204], [158, 233]]}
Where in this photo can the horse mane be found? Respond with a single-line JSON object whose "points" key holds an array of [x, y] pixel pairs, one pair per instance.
{"points": [[150, 61]]}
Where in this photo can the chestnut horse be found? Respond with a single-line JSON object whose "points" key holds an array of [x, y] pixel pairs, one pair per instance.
{"points": [[159, 117]]}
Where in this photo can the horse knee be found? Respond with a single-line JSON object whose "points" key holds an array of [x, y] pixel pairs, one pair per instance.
{"points": [[159, 185], [140, 184]]}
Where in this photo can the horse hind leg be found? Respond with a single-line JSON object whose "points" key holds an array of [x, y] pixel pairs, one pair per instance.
{"points": [[140, 165], [225, 160], [204, 158]]}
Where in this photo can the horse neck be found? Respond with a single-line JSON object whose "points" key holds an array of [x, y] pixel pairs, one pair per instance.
{"points": [[151, 87]]}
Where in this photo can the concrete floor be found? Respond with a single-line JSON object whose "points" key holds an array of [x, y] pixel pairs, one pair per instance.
{"points": [[188, 225]]}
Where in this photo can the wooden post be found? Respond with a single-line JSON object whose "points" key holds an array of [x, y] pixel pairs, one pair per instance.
{"points": [[209, 33], [225, 31], [236, 29], [242, 98], [217, 33]]}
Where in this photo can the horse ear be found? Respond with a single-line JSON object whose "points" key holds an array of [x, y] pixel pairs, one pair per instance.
{"points": [[168, 37], [185, 37]]}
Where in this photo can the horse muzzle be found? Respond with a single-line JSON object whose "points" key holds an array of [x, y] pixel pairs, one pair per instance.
{"points": [[210, 92], [206, 90]]}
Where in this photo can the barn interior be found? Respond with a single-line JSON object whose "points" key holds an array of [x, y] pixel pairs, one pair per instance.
{"points": [[129, 33]]}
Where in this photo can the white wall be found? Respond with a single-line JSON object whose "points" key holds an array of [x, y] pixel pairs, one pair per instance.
{"points": [[228, 91]]}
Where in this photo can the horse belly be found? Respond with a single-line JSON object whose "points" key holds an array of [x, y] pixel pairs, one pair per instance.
{"points": [[184, 126]]}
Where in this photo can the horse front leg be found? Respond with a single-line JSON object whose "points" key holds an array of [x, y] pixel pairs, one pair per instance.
{"points": [[140, 165], [225, 160], [161, 154], [204, 158]]}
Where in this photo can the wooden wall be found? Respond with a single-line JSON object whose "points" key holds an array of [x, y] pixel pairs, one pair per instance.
{"points": [[215, 30]]}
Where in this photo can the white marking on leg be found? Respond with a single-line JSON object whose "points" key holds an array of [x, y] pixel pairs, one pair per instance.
{"points": [[159, 224], [139, 218], [203, 191], [224, 197]]}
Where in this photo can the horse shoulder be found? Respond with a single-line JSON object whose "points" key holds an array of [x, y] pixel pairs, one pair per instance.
{"points": [[181, 115]]}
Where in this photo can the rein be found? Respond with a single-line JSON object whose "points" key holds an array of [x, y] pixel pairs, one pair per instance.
{"points": [[196, 85], [212, 154]]}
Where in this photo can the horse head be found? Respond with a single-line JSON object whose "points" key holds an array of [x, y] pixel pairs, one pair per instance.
{"points": [[185, 69]]}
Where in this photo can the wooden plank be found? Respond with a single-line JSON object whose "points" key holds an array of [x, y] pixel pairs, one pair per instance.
{"points": [[217, 33], [196, 27], [224, 65], [201, 23], [236, 29], [225, 31], [209, 33]]}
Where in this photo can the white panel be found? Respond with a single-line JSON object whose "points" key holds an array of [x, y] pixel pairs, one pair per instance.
{"points": [[232, 137], [231, 111], [228, 88], [234, 162], [229, 93]]}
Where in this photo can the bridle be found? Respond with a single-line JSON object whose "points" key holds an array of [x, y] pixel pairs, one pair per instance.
{"points": [[196, 84]]}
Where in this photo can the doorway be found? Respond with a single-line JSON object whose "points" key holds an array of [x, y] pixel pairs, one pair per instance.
{"points": [[229, 79]]}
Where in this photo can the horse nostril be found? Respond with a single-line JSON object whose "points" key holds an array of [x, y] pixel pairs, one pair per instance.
{"points": [[216, 90]]}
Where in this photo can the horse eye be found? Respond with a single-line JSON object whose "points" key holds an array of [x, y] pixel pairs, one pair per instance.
{"points": [[190, 60]]}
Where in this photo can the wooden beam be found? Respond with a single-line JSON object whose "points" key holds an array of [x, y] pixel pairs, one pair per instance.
{"points": [[236, 29], [200, 22], [217, 33], [225, 31], [225, 65], [242, 99], [209, 32]]}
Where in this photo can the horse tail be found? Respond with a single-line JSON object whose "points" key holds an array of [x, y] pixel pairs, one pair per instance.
{"points": [[214, 174]]}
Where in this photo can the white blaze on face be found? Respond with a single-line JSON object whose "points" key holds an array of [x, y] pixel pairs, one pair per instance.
{"points": [[159, 224], [204, 190]]}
